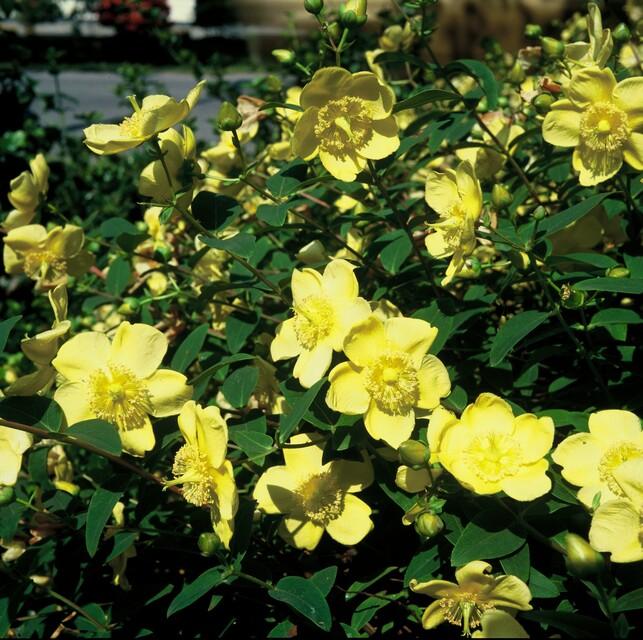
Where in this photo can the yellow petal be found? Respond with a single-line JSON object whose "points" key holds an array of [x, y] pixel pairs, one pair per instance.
{"points": [[274, 491], [489, 413], [530, 483], [138, 441], [138, 347], [633, 151], [226, 489], [82, 355], [579, 455], [411, 335], [65, 241], [74, 399], [434, 588], [304, 460], [347, 393], [440, 421], [616, 529], [561, 126], [392, 429], [13, 444], [366, 85], [591, 85], [627, 96], [285, 345], [25, 238], [614, 425], [596, 167], [365, 341], [499, 624], [469, 190], [301, 535], [305, 283], [304, 141], [383, 141], [437, 245], [353, 476], [106, 139], [629, 476], [510, 592], [348, 315], [535, 435], [326, 84], [441, 191], [339, 281], [412, 480], [312, 365], [169, 391], [434, 382], [344, 167], [353, 524]]}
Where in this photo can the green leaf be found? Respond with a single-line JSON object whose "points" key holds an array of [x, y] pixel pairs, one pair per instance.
{"points": [[195, 590], [118, 276], [613, 285], [325, 579], [289, 421], [287, 181], [396, 251], [251, 437], [275, 214], [214, 211], [597, 260], [487, 536], [190, 348], [481, 72], [114, 227], [630, 601], [606, 317], [423, 566], [224, 362], [5, 329], [122, 540], [560, 220], [366, 609], [35, 411], [573, 624], [426, 96], [99, 433], [304, 597], [517, 563], [285, 629], [358, 586], [541, 586], [242, 244], [99, 512], [239, 385], [512, 332], [239, 327]]}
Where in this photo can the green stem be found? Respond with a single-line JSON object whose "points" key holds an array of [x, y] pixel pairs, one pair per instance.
{"points": [[256, 581], [340, 46], [77, 608], [237, 144]]}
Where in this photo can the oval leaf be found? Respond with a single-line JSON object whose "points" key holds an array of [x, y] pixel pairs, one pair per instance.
{"points": [[511, 333], [304, 597], [98, 433], [195, 590], [100, 509]]}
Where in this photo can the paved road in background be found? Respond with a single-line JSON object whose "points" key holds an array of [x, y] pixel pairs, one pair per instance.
{"points": [[95, 91]]}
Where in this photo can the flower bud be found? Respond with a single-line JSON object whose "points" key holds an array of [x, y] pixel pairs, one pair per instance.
{"points": [[552, 48], [272, 84], [209, 543], [571, 298], [413, 453], [500, 196], [618, 272], [68, 487], [352, 14], [533, 31], [314, 6], [334, 31], [285, 56], [542, 103], [516, 74], [428, 524], [621, 33], [582, 560], [162, 252], [229, 119], [539, 213], [7, 495]]}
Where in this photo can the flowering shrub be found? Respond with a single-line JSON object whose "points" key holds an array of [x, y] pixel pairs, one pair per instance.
{"points": [[377, 337], [133, 15]]}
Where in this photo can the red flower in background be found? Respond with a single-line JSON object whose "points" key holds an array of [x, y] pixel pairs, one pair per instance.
{"points": [[133, 15]]}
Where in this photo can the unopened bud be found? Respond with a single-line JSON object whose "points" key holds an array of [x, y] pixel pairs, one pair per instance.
{"points": [[314, 6], [229, 119], [618, 272], [621, 33], [552, 48], [335, 31], [581, 559], [428, 524], [352, 14], [272, 84], [68, 487], [542, 103], [516, 74], [413, 453], [473, 264], [285, 56], [540, 213], [533, 31], [500, 196], [7, 495], [519, 259], [571, 298], [209, 543]]}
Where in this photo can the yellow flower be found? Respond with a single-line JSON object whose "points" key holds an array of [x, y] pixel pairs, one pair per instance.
{"points": [[590, 460], [47, 257], [415, 480], [599, 48], [201, 467], [157, 113], [488, 450], [456, 197], [316, 497], [602, 120], [487, 162], [42, 348], [120, 382], [477, 592], [496, 623], [388, 376], [326, 308], [347, 120], [27, 191], [631, 55], [293, 95], [13, 444], [617, 524]]}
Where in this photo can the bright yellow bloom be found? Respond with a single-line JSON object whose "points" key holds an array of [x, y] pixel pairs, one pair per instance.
{"points": [[456, 197], [46, 257], [488, 450], [27, 191], [326, 308], [499, 624], [157, 113], [316, 497], [597, 51], [42, 348], [347, 120], [602, 120], [617, 525], [388, 376], [631, 55], [590, 460], [13, 444], [477, 592], [120, 382], [201, 467]]}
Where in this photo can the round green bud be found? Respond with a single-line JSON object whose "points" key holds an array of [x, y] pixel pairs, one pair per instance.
{"points": [[209, 543], [229, 119], [93, 247], [503, 101], [533, 31], [542, 103], [7, 495], [618, 272], [353, 14], [413, 453], [348, 19], [552, 48], [162, 253], [132, 303], [314, 6], [335, 31], [500, 196], [540, 213], [285, 56], [428, 525], [516, 74], [571, 298], [272, 84], [474, 264], [621, 33], [581, 559]]}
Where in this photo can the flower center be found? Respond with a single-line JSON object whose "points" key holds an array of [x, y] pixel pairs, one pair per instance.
{"points": [[604, 128], [45, 262], [321, 499], [343, 126], [119, 397], [464, 610], [392, 382], [314, 320], [132, 125], [494, 456], [192, 470], [613, 458]]}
